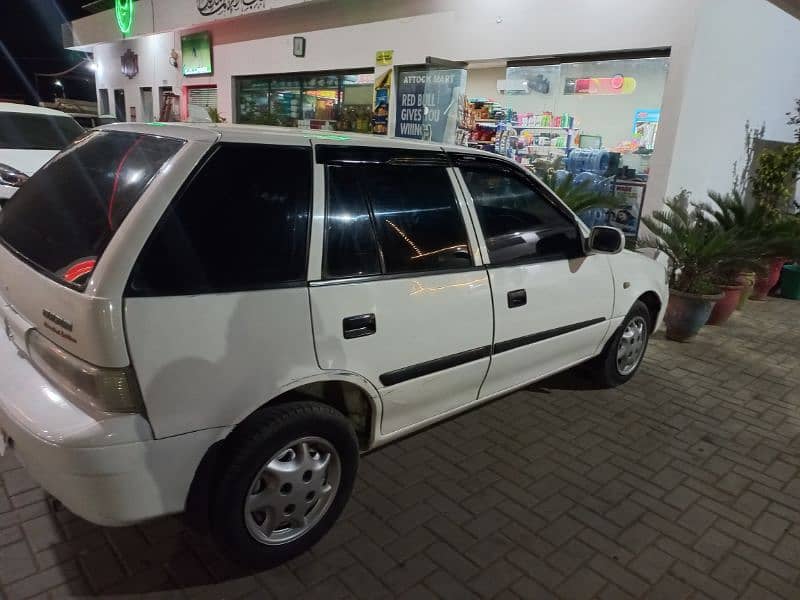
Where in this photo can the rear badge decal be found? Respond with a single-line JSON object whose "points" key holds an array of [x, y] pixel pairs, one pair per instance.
{"points": [[64, 327], [57, 319]]}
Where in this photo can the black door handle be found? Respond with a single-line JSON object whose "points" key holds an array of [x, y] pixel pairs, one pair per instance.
{"points": [[517, 298], [358, 326]]}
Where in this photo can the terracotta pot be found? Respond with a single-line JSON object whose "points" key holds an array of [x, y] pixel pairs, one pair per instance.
{"points": [[764, 283], [747, 279], [725, 306], [687, 313]]}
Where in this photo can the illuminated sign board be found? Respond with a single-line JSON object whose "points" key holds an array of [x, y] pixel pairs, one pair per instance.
{"points": [[124, 11]]}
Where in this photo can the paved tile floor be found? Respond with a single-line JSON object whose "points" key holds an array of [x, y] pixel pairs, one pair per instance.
{"points": [[682, 484]]}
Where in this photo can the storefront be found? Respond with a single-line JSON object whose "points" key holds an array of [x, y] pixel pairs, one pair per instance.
{"points": [[340, 101], [590, 125], [637, 99]]}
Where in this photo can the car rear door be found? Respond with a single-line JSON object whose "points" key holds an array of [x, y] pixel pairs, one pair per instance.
{"points": [[400, 296], [552, 301], [216, 310]]}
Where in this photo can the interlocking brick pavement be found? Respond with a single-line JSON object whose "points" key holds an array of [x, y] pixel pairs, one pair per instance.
{"points": [[681, 484]]}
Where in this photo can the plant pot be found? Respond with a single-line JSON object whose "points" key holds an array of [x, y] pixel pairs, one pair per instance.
{"points": [[764, 283], [747, 279], [687, 313], [790, 282], [725, 306]]}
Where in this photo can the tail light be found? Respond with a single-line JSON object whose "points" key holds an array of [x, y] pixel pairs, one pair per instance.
{"points": [[98, 388]]}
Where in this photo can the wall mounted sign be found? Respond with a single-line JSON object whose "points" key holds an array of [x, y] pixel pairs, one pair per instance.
{"points": [[229, 8], [382, 91], [130, 64], [383, 58], [299, 47], [208, 8], [601, 86], [124, 11], [196, 53]]}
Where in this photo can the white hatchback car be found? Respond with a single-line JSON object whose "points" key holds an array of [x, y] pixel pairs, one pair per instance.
{"points": [[29, 137], [223, 318]]}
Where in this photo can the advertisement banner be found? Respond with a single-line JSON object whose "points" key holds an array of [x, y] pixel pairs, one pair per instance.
{"points": [[427, 104], [383, 88]]}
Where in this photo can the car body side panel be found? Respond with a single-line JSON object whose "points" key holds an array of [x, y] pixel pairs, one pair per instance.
{"points": [[207, 361], [634, 275]]}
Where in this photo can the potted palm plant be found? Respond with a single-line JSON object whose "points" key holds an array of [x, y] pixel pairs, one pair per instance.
{"points": [[696, 249], [736, 276], [773, 189]]}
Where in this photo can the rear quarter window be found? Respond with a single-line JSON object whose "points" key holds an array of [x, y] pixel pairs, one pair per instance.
{"points": [[62, 219], [241, 224]]}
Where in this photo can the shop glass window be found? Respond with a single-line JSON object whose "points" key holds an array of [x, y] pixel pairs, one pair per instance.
{"points": [[242, 224], [285, 101], [518, 223], [355, 113], [350, 246], [331, 101]]}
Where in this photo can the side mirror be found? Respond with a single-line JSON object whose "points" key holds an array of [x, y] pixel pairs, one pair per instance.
{"points": [[606, 240]]}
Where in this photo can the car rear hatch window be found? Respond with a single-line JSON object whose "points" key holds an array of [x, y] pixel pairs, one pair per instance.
{"points": [[63, 218], [37, 132]]}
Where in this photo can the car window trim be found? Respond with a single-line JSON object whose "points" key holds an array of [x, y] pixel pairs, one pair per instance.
{"points": [[377, 155], [130, 292], [390, 276]]}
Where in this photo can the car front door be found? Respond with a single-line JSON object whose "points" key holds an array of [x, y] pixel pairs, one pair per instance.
{"points": [[401, 298], [552, 300]]}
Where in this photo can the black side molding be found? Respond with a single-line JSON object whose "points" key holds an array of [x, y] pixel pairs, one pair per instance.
{"points": [[454, 360], [432, 366], [543, 335]]}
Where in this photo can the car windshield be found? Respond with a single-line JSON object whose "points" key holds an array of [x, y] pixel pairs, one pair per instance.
{"points": [[22, 131], [64, 216]]}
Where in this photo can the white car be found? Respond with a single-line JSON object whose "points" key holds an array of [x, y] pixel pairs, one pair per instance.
{"points": [[29, 137], [223, 318]]}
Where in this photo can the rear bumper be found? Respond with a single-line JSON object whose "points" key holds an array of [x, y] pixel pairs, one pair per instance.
{"points": [[108, 470]]}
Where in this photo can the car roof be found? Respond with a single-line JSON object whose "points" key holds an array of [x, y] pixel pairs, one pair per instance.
{"points": [[31, 110], [266, 134]]}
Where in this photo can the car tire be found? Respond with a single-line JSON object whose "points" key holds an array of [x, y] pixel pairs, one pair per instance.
{"points": [[624, 352], [286, 475]]}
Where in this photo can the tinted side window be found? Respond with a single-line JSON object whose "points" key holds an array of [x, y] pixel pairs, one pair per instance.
{"points": [[517, 221], [418, 222], [410, 210], [241, 224], [350, 246]]}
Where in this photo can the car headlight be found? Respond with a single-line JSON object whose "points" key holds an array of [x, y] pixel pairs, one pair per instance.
{"points": [[11, 176]]}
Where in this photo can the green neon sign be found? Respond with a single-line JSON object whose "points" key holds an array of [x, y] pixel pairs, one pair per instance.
{"points": [[124, 11]]}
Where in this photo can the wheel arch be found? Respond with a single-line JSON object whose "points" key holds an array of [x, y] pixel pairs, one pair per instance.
{"points": [[350, 394], [654, 304]]}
